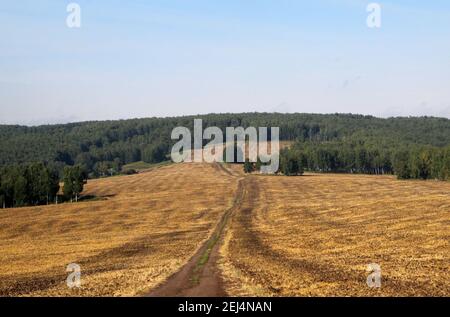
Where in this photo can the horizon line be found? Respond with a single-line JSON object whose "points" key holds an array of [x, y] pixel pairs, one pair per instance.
{"points": [[29, 125]]}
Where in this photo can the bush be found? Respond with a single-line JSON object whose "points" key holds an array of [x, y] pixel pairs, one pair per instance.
{"points": [[130, 171], [248, 166]]}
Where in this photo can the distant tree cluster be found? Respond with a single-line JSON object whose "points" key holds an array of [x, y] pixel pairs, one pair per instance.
{"points": [[350, 156], [74, 180], [250, 167], [292, 162], [425, 163], [28, 185], [38, 184], [339, 157]]}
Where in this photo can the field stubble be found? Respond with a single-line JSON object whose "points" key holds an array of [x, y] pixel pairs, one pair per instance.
{"points": [[315, 235], [142, 231], [291, 236]]}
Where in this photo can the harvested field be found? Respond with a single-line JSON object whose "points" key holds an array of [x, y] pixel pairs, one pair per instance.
{"points": [[138, 231], [199, 229], [315, 235]]}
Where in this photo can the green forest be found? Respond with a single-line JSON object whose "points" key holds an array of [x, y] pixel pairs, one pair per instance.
{"points": [[413, 147], [406, 161]]}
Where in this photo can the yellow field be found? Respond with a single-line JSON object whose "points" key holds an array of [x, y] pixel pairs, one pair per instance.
{"points": [[315, 235], [143, 229], [312, 235]]}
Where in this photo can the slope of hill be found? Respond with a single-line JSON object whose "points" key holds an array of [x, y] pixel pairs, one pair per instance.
{"points": [[126, 141]]}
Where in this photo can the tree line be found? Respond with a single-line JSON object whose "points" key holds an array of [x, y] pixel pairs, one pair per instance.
{"points": [[416, 162], [38, 184], [423, 163]]}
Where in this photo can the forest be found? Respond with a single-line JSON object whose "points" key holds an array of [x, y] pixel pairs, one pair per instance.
{"points": [[407, 162], [410, 147]]}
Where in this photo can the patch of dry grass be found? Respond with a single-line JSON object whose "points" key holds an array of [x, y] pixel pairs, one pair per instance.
{"points": [[315, 235], [146, 227]]}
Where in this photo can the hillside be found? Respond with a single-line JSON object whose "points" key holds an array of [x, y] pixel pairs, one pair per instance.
{"points": [[127, 140]]}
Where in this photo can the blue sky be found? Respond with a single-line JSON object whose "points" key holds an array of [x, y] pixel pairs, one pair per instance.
{"points": [[164, 58]]}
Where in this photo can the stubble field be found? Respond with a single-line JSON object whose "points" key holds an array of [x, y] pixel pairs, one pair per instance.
{"points": [[312, 235], [141, 229], [315, 235]]}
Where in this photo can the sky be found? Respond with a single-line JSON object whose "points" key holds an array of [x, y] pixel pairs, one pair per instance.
{"points": [[145, 58]]}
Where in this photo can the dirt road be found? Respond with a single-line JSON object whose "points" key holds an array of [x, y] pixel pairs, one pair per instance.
{"points": [[200, 276]]}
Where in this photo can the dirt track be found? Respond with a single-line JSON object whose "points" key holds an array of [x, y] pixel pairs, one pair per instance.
{"points": [[200, 276]]}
